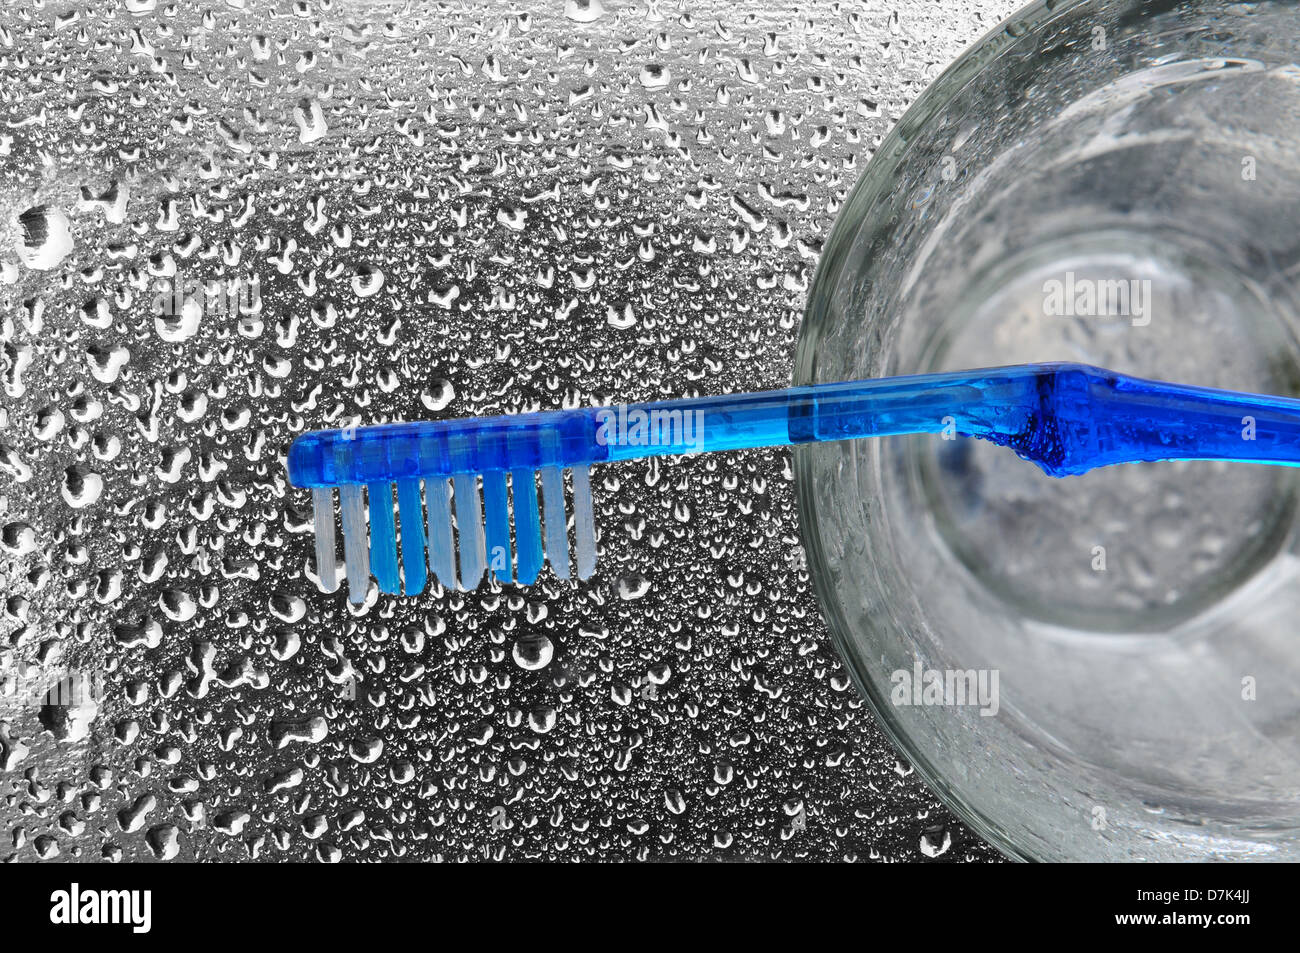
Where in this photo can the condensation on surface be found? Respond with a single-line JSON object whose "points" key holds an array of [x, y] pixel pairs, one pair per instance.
{"points": [[222, 223]]}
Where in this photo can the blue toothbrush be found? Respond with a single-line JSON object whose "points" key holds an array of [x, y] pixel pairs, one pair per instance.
{"points": [[1067, 418]]}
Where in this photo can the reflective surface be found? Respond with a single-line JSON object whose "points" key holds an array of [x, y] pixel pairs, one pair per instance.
{"points": [[402, 211]]}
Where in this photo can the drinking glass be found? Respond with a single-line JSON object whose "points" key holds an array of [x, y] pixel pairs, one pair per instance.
{"points": [[1116, 183]]}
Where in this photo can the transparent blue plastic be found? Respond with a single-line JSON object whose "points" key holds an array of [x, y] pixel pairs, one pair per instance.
{"points": [[1067, 418]]}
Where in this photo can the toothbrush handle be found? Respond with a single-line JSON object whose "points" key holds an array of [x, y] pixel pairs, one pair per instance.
{"points": [[1067, 418], [1107, 418], [993, 401]]}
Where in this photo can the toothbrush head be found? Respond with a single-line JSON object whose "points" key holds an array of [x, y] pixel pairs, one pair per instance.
{"points": [[459, 487]]}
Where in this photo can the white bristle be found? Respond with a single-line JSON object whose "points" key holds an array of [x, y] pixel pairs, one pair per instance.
{"points": [[584, 523], [469, 527], [554, 521], [356, 545], [442, 544], [322, 516]]}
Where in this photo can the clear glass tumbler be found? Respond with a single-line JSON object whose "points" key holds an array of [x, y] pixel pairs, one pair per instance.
{"points": [[1116, 183]]}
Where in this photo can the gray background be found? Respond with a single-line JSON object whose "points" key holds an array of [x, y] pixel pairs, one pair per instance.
{"points": [[450, 209]]}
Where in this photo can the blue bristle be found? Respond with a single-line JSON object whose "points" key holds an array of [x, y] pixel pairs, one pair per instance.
{"points": [[528, 528], [383, 538], [496, 512], [411, 516]]}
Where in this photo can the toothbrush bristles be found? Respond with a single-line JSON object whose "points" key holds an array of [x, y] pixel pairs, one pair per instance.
{"points": [[383, 538], [496, 521], [322, 517], [554, 520], [410, 514], [528, 526], [442, 556], [356, 548], [469, 527], [480, 532], [584, 523]]}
